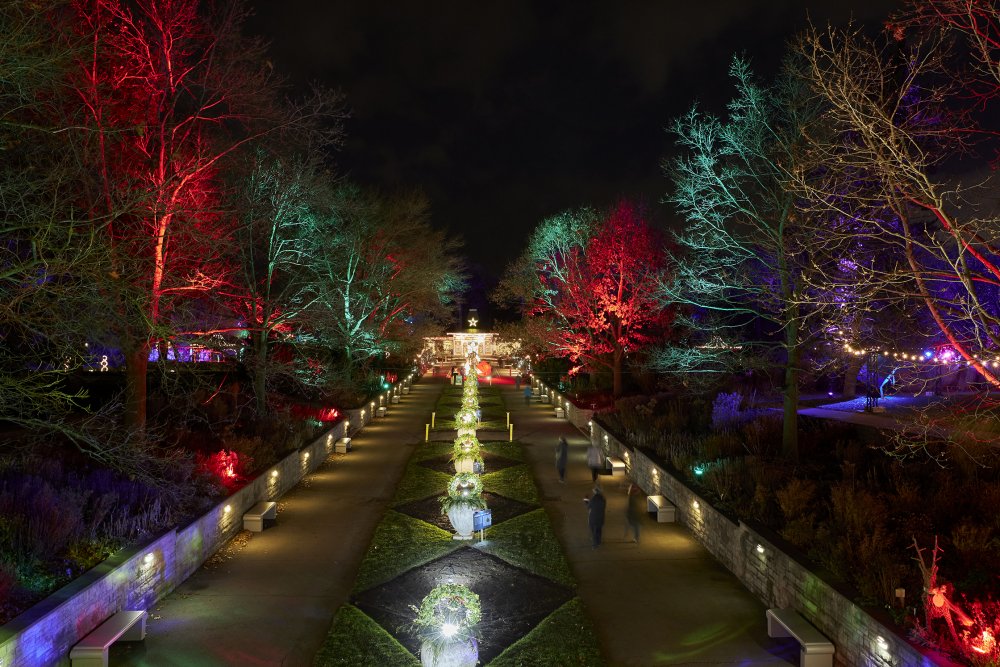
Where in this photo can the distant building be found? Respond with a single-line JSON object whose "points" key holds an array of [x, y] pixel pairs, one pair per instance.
{"points": [[459, 345]]}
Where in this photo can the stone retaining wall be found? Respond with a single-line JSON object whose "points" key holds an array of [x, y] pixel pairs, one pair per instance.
{"points": [[137, 578], [775, 577]]}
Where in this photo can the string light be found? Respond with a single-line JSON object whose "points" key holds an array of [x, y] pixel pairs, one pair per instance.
{"points": [[946, 355]]}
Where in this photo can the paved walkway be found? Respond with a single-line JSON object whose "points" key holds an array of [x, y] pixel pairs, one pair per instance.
{"points": [[664, 601], [272, 603]]}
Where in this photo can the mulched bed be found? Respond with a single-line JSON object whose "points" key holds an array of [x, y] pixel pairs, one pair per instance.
{"points": [[494, 462], [513, 600], [429, 509]]}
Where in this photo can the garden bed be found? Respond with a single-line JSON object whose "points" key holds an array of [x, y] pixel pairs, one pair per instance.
{"points": [[530, 612]]}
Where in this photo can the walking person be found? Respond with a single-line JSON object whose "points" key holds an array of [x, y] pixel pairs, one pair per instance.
{"points": [[596, 505], [595, 460], [562, 453], [633, 511], [527, 395], [517, 382]]}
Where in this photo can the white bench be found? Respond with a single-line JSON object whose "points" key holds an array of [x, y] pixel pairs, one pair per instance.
{"points": [[544, 398], [253, 520], [395, 399], [92, 650], [665, 510], [817, 650], [616, 464], [406, 390], [343, 446], [560, 413], [380, 412]]}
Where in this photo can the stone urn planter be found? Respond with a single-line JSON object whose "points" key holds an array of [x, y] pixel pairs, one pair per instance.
{"points": [[452, 654], [461, 520], [465, 496], [445, 623]]}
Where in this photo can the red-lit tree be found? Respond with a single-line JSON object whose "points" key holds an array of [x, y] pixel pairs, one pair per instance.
{"points": [[168, 90], [590, 280]]}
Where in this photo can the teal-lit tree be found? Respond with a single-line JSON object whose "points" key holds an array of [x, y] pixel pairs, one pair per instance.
{"points": [[278, 203], [738, 273], [382, 275]]}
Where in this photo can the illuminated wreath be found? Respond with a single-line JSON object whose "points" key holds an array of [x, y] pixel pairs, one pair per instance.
{"points": [[465, 485], [449, 612], [466, 417]]}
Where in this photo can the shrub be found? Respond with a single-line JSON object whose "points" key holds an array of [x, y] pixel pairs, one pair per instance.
{"points": [[726, 411]]}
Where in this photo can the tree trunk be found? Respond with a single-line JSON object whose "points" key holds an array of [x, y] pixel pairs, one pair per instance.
{"points": [[260, 372], [851, 376], [136, 365], [616, 373], [790, 428]]}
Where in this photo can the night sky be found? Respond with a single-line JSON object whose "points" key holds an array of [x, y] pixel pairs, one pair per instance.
{"points": [[506, 112]]}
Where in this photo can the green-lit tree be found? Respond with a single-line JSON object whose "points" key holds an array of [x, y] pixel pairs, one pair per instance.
{"points": [[381, 273], [277, 202], [738, 275]]}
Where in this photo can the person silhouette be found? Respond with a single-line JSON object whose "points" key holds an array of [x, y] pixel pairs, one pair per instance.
{"points": [[596, 506]]}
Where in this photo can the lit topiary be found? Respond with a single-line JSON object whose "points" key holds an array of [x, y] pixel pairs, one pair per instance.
{"points": [[466, 417], [466, 489], [446, 623]]}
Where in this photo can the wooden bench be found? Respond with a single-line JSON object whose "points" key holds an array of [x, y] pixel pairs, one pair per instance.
{"points": [[817, 650], [560, 413], [616, 464], [92, 650], [343, 446], [254, 519], [665, 510]]}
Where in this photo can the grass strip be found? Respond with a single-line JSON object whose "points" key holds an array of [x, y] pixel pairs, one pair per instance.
{"points": [[400, 543], [356, 639], [515, 482], [566, 637], [419, 482], [510, 450], [528, 542]]}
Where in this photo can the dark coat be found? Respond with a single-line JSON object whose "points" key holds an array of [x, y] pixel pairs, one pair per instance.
{"points": [[597, 506], [562, 454]]}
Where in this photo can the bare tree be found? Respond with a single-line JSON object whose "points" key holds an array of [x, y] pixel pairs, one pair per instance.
{"points": [[166, 93], [379, 269], [739, 273]]}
